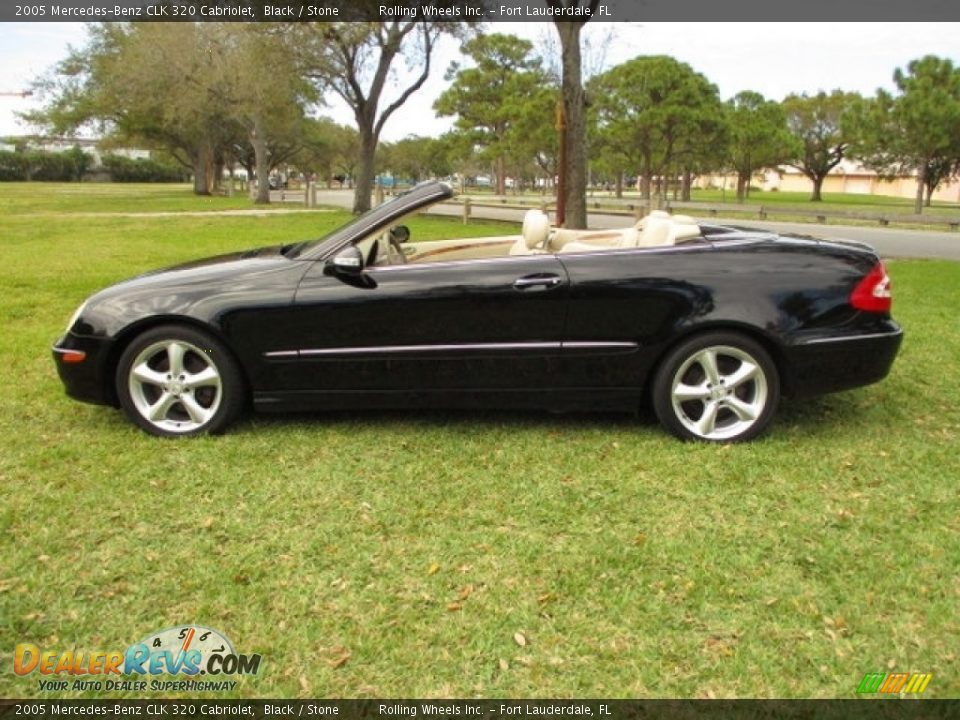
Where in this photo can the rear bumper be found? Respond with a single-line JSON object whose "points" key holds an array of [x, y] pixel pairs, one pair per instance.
{"points": [[829, 364], [84, 379]]}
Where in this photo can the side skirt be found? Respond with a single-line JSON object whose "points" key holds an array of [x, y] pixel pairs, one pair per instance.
{"points": [[560, 400]]}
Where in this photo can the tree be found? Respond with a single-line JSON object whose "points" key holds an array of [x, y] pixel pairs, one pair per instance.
{"points": [[252, 68], [103, 84], [917, 130], [649, 113], [820, 133], [220, 85], [488, 99], [417, 158], [758, 137], [574, 118], [354, 59]]}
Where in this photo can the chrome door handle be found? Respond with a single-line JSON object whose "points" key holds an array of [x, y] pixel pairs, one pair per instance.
{"points": [[537, 281]]}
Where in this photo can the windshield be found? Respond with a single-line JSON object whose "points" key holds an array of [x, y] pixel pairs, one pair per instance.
{"points": [[372, 220]]}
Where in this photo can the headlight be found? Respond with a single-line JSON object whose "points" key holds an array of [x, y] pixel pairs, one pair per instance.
{"points": [[76, 315]]}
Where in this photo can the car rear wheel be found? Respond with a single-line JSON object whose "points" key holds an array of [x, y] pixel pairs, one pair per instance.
{"points": [[176, 381], [717, 387]]}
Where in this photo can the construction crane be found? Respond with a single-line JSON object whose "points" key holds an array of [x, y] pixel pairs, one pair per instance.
{"points": [[21, 93]]}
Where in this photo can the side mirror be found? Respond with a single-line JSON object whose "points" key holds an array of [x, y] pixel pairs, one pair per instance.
{"points": [[348, 261]]}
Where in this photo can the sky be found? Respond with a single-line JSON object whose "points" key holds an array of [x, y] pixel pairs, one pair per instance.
{"points": [[775, 59]]}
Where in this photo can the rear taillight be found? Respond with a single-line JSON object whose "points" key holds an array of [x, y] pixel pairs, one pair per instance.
{"points": [[872, 294]]}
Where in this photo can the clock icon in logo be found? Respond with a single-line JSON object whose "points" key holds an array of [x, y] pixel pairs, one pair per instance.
{"points": [[185, 638]]}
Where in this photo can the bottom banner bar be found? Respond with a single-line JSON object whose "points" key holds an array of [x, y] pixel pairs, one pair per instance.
{"points": [[491, 709]]}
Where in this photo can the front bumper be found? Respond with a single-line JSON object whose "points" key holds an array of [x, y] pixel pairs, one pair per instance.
{"points": [[843, 362], [83, 366]]}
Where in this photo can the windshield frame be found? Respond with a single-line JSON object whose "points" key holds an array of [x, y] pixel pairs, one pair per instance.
{"points": [[374, 220]]}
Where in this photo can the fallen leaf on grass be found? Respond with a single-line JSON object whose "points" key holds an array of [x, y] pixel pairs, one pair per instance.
{"points": [[454, 606], [465, 592], [520, 639], [503, 664], [304, 685], [433, 569], [340, 657]]}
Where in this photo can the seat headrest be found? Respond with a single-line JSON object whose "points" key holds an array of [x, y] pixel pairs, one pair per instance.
{"points": [[642, 222], [683, 227], [536, 229]]}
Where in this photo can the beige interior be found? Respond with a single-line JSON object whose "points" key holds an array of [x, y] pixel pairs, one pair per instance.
{"points": [[658, 229]]}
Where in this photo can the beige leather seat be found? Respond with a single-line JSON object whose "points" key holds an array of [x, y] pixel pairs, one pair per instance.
{"points": [[655, 231], [533, 236], [682, 227], [658, 229]]}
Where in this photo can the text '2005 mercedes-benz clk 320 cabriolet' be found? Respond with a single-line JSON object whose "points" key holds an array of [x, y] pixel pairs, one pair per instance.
{"points": [[709, 324]]}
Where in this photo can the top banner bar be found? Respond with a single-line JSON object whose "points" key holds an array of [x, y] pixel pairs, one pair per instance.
{"points": [[853, 11]]}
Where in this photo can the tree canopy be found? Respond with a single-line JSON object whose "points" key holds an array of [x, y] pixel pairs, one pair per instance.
{"points": [[821, 133], [916, 130], [758, 137], [649, 112], [493, 101]]}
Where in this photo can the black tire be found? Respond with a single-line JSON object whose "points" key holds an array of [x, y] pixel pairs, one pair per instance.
{"points": [[205, 396], [732, 401]]}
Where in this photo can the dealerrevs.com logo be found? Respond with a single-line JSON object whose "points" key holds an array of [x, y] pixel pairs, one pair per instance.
{"points": [[190, 652]]}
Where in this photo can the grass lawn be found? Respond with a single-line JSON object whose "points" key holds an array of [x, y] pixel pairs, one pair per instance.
{"points": [[398, 554], [56, 198]]}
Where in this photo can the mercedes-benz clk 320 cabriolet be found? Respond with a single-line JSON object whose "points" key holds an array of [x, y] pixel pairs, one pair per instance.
{"points": [[709, 324]]}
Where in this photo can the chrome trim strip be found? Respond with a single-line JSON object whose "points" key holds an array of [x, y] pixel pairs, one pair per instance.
{"points": [[386, 349], [600, 345], [868, 336]]}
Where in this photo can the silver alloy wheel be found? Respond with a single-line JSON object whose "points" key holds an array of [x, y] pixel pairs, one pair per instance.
{"points": [[175, 386], [719, 392]]}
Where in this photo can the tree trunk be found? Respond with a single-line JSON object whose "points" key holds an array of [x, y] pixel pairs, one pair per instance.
{"points": [[685, 187], [500, 170], [930, 189], [645, 186], [619, 185], [259, 142], [817, 188], [201, 161], [742, 181], [575, 110], [365, 172], [921, 183]]}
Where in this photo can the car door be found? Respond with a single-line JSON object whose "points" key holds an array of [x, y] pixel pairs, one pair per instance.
{"points": [[473, 325]]}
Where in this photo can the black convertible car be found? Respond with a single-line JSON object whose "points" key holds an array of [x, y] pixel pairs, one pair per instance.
{"points": [[710, 324]]}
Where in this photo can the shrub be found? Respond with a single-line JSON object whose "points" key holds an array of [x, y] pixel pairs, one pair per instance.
{"points": [[124, 169]]}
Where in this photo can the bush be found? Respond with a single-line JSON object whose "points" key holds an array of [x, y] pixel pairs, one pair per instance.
{"points": [[124, 169], [43, 165], [12, 166]]}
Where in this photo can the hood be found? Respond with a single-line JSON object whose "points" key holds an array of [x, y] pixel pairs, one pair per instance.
{"points": [[201, 289]]}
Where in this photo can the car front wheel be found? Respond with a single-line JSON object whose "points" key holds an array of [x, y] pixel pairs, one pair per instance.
{"points": [[176, 381], [718, 387]]}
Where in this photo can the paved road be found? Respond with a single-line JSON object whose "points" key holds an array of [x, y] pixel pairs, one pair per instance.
{"points": [[889, 242]]}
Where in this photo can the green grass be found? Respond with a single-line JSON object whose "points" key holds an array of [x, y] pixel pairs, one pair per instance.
{"points": [[847, 202], [44, 197], [415, 545]]}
